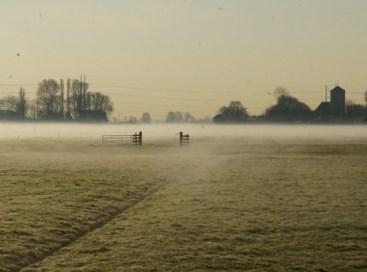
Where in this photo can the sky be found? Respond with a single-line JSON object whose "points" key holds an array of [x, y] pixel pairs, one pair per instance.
{"points": [[187, 55]]}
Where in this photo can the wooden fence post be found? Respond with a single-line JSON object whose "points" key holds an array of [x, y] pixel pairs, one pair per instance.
{"points": [[141, 138]]}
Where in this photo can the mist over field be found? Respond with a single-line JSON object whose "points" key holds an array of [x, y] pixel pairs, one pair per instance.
{"points": [[238, 197], [152, 132]]}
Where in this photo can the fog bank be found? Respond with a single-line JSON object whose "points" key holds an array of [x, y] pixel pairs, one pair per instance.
{"points": [[162, 131]]}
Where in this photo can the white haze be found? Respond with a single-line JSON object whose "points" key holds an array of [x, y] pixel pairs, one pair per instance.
{"points": [[165, 131]]}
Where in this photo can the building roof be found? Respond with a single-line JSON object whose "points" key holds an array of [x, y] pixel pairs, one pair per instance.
{"points": [[323, 108], [337, 89]]}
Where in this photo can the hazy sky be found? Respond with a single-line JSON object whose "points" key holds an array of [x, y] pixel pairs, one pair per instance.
{"points": [[189, 55]]}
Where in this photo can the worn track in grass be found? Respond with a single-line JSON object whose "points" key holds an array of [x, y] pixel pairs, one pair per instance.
{"points": [[93, 227]]}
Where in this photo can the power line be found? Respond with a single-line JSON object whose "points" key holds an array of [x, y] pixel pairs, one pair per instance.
{"points": [[215, 108], [180, 98], [169, 105], [197, 91], [18, 84], [123, 93], [171, 90]]}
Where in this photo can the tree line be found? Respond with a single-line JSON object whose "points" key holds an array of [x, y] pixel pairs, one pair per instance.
{"points": [[287, 109], [171, 117], [72, 100], [59, 100]]}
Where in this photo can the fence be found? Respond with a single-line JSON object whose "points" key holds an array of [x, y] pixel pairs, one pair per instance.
{"points": [[184, 138], [135, 139]]}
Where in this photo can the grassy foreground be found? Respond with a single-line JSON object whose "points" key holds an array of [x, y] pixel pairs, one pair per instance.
{"points": [[213, 206]]}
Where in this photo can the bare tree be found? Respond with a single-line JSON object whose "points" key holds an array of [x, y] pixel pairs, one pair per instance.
{"points": [[146, 118], [78, 88], [15, 104], [288, 109], [96, 101], [175, 117], [133, 120], [189, 118], [62, 99], [68, 101], [79, 100], [49, 99], [235, 112], [21, 106], [32, 110], [280, 91], [9, 103]]}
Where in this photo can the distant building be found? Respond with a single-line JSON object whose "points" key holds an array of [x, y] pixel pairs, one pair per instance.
{"points": [[337, 101], [335, 108]]}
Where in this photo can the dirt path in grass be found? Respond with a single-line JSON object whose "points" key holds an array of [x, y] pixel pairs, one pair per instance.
{"points": [[91, 228], [37, 223]]}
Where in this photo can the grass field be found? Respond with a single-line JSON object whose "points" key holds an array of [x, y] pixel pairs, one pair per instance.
{"points": [[217, 205]]}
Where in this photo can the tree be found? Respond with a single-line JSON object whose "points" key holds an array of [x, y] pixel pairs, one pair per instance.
{"points": [[16, 106], [235, 112], [82, 100], [288, 108], [32, 110], [171, 117], [355, 111], [179, 117], [49, 100], [77, 99], [189, 118], [9, 103], [62, 102], [280, 91], [132, 120], [96, 101], [174, 117], [68, 100], [21, 105], [146, 118], [50, 103]]}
